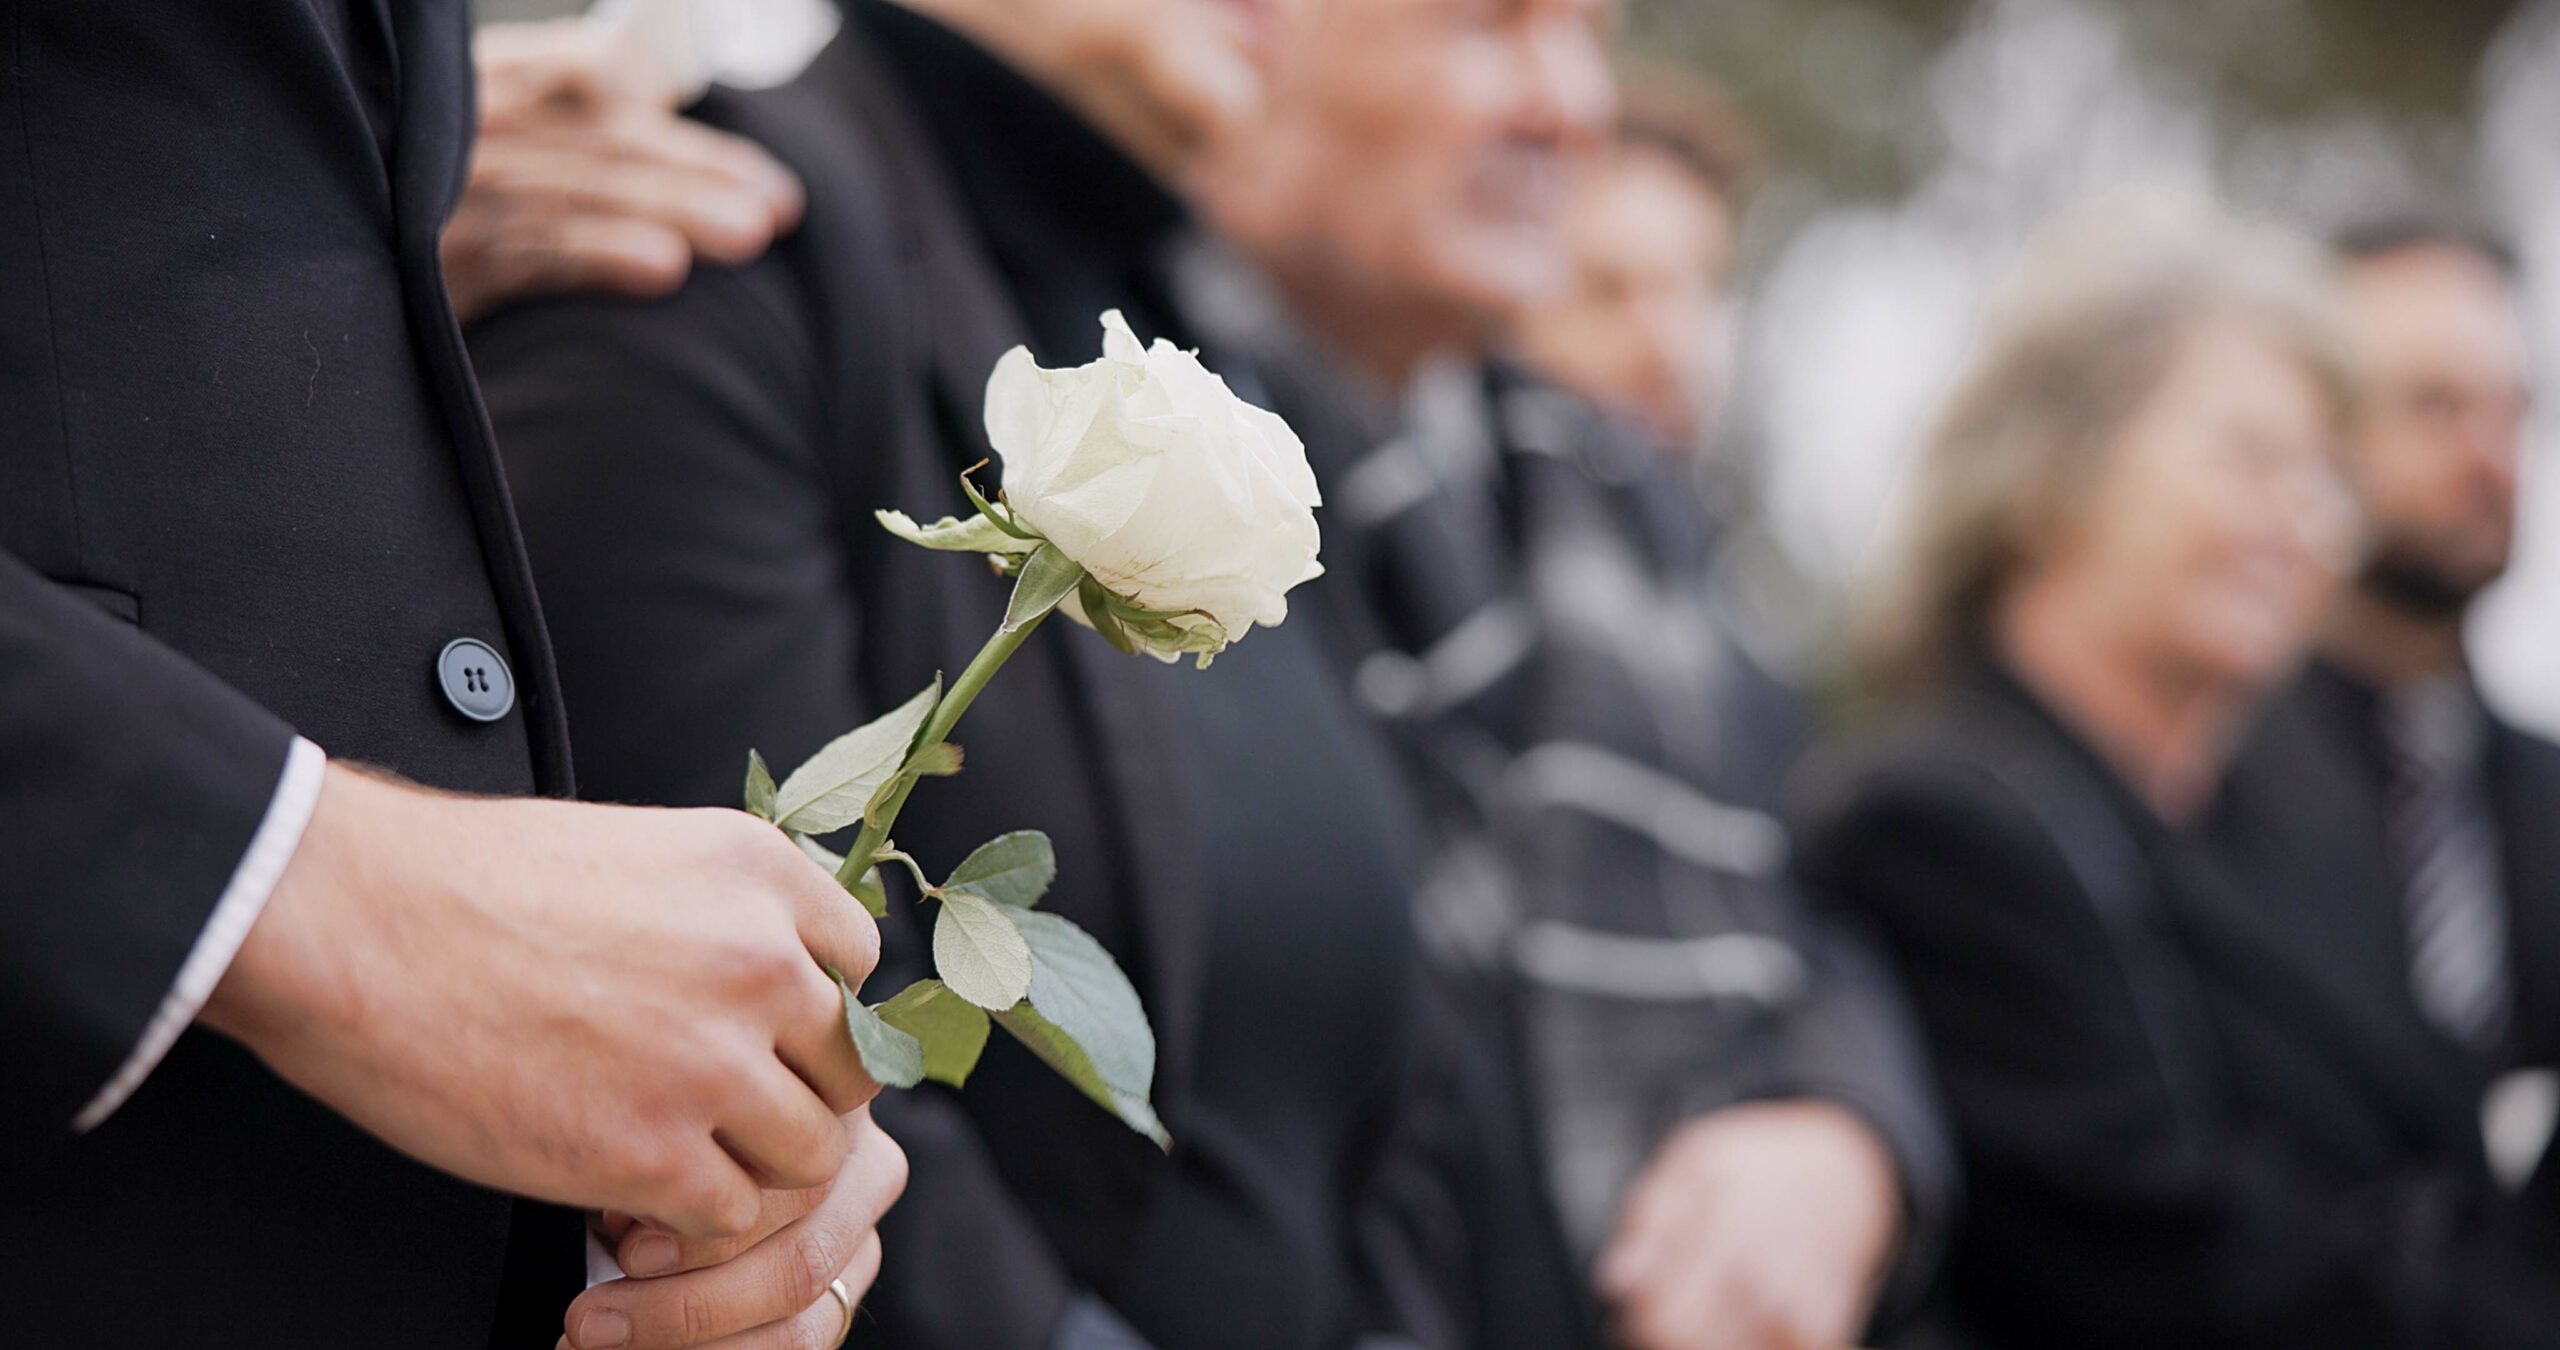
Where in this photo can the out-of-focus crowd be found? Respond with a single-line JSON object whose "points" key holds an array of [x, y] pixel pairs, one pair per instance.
{"points": [[2160, 948]]}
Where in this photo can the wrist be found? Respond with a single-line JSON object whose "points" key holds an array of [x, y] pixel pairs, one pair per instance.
{"points": [[289, 973], [1867, 1161]]}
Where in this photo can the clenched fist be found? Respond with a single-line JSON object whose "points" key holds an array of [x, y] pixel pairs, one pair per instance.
{"points": [[607, 1007]]}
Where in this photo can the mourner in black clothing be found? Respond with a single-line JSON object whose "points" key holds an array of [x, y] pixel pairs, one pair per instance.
{"points": [[1723, 1084], [698, 479], [2182, 1122], [251, 521], [2385, 799]]}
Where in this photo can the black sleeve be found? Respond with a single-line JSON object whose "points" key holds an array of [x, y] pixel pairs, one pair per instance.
{"points": [[131, 782], [2098, 1198], [666, 464]]}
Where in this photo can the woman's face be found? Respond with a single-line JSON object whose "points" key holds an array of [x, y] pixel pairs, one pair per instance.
{"points": [[2219, 526]]}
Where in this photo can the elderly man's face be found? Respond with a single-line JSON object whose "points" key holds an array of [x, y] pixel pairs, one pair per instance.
{"points": [[1439, 135]]}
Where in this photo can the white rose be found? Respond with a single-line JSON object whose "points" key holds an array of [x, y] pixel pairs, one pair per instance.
{"points": [[1191, 506]]}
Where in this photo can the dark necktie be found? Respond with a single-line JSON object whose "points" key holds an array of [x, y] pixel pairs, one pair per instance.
{"points": [[2445, 848]]}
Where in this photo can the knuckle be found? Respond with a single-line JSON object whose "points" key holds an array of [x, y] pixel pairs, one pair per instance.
{"points": [[750, 844], [864, 932], [813, 1164], [714, 1211], [769, 971], [816, 1002], [890, 1160], [818, 1258], [865, 1267], [865, 1088], [734, 1209], [773, 967], [654, 1168], [697, 1314]]}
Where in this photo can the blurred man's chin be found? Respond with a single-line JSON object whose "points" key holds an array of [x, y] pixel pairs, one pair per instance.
{"points": [[2432, 587]]}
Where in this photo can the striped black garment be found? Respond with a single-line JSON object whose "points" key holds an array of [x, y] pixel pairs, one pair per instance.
{"points": [[1531, 604], [2444, 844]]}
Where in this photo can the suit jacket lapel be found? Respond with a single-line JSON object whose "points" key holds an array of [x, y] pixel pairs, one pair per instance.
{"points": [[432, 147], [431, 152], [964, 321]]}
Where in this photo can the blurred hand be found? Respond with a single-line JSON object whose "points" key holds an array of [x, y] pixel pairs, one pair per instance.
{"points": [[1758, 1227], [765, 1289], [585, 178], [606, 1007]]}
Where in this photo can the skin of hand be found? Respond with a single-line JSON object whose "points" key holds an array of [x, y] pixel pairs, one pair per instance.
{"points": [[585, 177], [614, 1008], [765, 1289], [1758, 1227]]}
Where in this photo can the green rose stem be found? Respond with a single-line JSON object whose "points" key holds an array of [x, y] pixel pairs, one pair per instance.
{"points": [[946, 715]]}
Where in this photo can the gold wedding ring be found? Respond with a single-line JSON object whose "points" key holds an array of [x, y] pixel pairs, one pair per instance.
{"points": [[843, 1296]]}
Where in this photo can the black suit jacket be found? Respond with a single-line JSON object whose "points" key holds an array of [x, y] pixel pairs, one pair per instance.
{"points": [[2183, 1122], [2305, 815], [697, 479], [246, 489]]}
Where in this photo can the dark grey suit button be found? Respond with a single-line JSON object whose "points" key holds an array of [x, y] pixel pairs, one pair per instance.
{"points": [[476, 679]]}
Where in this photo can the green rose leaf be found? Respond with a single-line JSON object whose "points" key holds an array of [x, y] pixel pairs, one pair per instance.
{"points": [[977, 534], [832, 789], [979, 953], [1081, 991], [1010, 869], [759, 787], [892, 1057], [1046, 579], [952, 1030], [1060, 1052]]}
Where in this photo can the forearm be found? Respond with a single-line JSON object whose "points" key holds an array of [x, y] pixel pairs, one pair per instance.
{"points": [[133, 786]]}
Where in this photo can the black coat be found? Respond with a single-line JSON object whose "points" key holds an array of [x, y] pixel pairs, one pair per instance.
{"points": [[698, 478], [1541, 507], [246, 490], [2303, 816], [2182, 1124]]}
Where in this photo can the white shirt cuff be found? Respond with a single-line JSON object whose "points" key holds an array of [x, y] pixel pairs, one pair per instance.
{"points": [[237, 909], [602, 1265]]}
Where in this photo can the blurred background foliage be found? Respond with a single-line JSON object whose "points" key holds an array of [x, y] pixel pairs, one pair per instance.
{"points": [[1847, 91]]}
